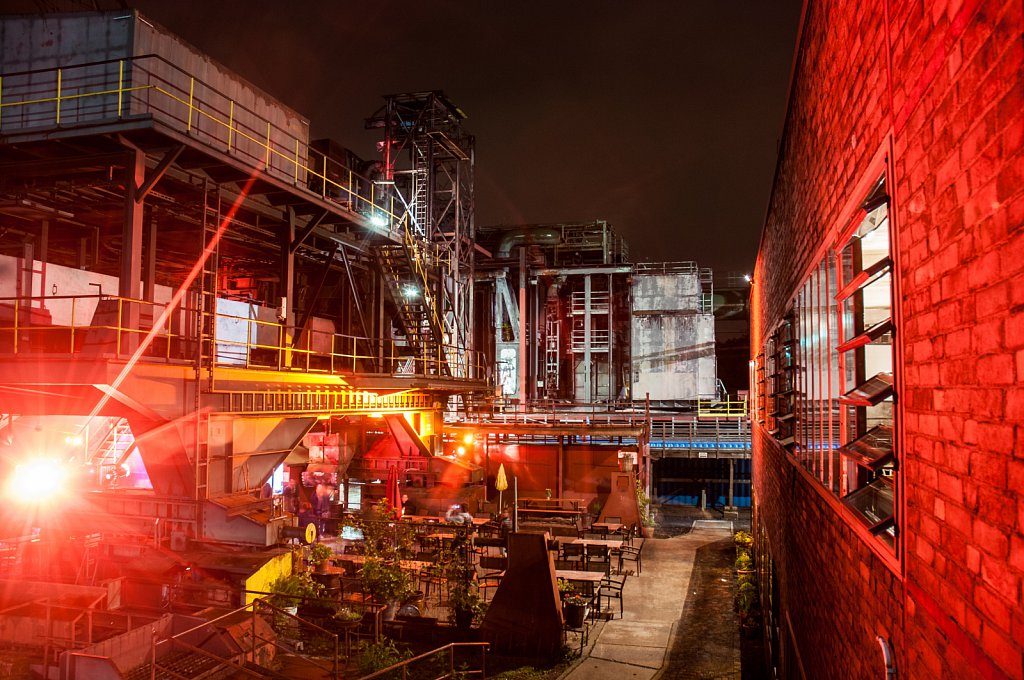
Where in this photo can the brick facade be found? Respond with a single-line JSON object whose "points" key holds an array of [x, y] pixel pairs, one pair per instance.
{"points": [[937, 88]]}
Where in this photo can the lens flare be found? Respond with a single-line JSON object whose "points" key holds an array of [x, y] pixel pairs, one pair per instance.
{"points": [[37, 481]]}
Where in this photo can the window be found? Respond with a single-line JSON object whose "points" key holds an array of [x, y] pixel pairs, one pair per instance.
{"points": [[818, 393], [831, 393], [865, 349]]}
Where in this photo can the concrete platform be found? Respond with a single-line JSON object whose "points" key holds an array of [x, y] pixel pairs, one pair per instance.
{"points": [[636, 645]]}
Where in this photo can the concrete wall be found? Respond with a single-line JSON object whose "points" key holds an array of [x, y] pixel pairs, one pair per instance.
{"points": [[939, 89], [163, 86], [673, 344]]}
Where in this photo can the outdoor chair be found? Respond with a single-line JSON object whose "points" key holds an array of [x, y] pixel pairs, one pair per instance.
{"points": [[633, 553], [598, 556], [574, 553], [611, 587], [431, 579]]}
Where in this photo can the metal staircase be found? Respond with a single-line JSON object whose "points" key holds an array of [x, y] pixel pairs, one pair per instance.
{"points": [[552, 348], [404, 269]]}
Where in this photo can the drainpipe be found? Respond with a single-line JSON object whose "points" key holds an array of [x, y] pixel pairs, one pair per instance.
{"points": [[890, 665]]}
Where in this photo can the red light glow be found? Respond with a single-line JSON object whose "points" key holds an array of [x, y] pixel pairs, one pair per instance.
{"points": [[37, 481]]}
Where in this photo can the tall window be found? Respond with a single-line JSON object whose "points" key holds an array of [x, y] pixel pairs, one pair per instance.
{"points": [[826, 372], [865, 352]]}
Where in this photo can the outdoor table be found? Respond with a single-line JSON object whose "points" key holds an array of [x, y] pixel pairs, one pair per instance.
{"points": [[408, 565], [612, 543], [610, 527], [592, 579]]}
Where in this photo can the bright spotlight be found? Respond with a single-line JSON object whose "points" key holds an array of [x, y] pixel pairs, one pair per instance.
{"points": [[461, 450], [747, 278], [37, 481], [378, 220], [410, 292], [468, 438], [73, 440]]}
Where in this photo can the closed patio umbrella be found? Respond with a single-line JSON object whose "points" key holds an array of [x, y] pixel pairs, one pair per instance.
{"points": [[500, 483], [392, 492]]}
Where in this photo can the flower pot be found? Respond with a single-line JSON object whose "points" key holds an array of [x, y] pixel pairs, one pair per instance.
{"points": [[390, 610], [648, 532], [463, 618], [575, 614]]}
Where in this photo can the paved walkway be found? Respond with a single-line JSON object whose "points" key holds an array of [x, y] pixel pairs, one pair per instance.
{"points": [[638, 645]]}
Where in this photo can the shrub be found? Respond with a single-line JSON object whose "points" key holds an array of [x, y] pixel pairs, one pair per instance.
{"points": [[379, 655]]}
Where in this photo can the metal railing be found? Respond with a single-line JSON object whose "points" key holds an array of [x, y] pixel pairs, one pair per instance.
{"points": [[451, 671], [113, 326], [131, 88]]}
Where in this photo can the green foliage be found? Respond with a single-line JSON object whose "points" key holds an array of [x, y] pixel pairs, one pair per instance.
{"points": [[386, 580], [524, 673], [464, 598], [746, 598], [743, 562], [642, 499], [575, 599], [565, 587], [379, 655], [319, 553], [743, 540], [347, 615], [388, 541], [291, 589]]}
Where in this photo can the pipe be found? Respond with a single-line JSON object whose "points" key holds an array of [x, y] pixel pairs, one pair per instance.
{"points": [[890, 666], [525, 236]]}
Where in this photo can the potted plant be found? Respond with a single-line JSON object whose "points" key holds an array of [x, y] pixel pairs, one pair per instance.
{"points": [[575, 608], [646, 511], [465, 603], [291, 590], [744, 564], [387, 582], [564, 588], [319, 554], [744, 542]]}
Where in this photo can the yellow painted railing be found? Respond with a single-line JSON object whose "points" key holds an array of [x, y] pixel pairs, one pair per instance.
{"points": [[141, 89], [115, 326], [728, 408]]}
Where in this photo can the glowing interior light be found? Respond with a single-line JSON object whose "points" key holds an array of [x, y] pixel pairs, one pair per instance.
{"points": [[410, 292], [378, 220], [37, 481], [376, 415], [461, 450], [467, 438], [73, 440]]}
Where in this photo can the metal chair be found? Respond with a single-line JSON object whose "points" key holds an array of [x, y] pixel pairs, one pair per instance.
{"points": [[611, 587], [573, 553], [633, 553], [600, 556]]}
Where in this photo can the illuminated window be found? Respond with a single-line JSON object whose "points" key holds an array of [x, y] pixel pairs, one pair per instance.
{"points": [[866, 366], [779, 377]]}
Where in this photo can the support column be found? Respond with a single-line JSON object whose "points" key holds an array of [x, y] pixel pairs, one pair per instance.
{"points": [[286, 287], [149, 276], [522, 361], [587, 387], [130, 282], [560, 469]]}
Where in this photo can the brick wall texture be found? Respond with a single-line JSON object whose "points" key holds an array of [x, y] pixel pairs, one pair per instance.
{"points": [[942, 81]]}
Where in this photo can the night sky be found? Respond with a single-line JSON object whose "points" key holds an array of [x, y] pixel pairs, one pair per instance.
{"points": [[661, 117]]}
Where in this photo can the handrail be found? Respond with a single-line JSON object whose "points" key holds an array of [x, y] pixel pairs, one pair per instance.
{"points": [[450, 648], [295, 157], [266, 344]]}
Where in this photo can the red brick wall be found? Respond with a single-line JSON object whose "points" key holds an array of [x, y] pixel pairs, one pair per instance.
{"points": [[944, 79]]}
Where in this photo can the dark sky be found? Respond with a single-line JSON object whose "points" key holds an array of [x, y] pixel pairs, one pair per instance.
{"points": [[661, 117]]}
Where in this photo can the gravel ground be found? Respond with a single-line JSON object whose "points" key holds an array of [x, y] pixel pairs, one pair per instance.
{"points": [[705, 641]]}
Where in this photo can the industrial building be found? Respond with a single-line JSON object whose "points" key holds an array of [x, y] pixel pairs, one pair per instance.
{"points": [[885, 352], [203, 307]]}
